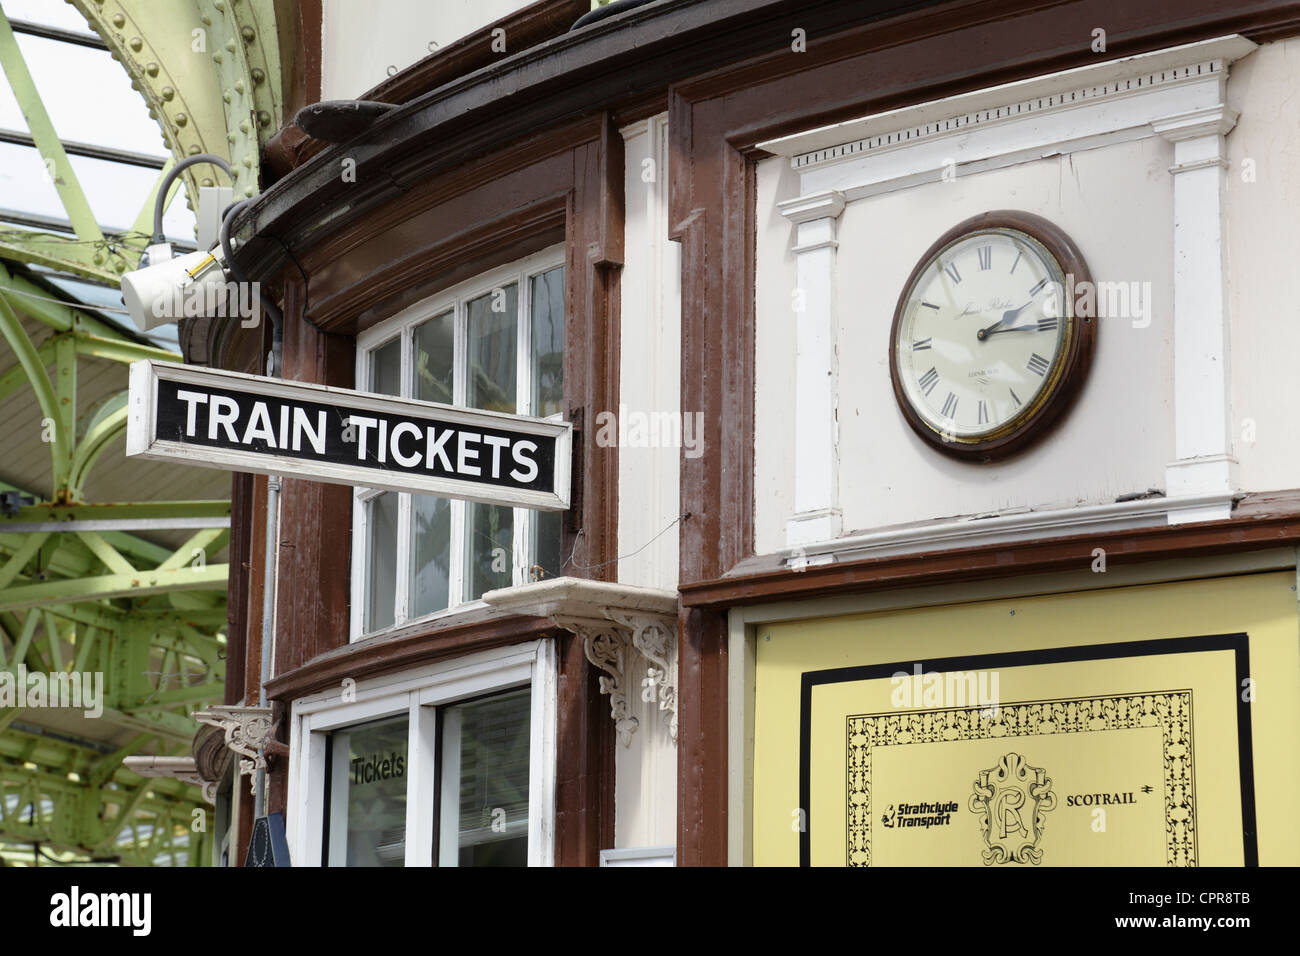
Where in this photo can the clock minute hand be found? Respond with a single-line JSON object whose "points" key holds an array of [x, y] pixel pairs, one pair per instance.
{"points": [[1006, 317], [994, 330]]}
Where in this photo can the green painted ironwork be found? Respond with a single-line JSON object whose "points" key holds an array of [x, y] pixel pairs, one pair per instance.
{"points": [[81, 601], [74, 599]]}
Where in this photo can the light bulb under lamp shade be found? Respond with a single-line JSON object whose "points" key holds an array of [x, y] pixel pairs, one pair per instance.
{"points": [[157, 295]]}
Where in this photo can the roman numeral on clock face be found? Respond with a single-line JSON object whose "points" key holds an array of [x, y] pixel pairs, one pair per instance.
{"points": [[1019, 253], [983, 414], [921, 344], [1047, 324], [950, 406], [928, 381], [1038, 287], [1015, 398], [951, 269], [1037, 364], [986, 257]]}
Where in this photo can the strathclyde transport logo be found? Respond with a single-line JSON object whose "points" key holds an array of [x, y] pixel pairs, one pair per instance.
{"points": [[924, 815]]}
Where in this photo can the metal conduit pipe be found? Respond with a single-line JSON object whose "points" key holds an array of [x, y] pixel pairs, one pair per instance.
{"points": [[272, 491]]}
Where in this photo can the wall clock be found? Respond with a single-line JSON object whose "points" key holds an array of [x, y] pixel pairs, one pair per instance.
{"points": [[986, 351]]}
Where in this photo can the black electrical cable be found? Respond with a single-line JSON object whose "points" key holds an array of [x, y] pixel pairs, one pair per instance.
{"points": [[160, 202]]}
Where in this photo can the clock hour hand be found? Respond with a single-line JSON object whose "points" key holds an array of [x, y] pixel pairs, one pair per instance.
{"points": [[1007, 316]]}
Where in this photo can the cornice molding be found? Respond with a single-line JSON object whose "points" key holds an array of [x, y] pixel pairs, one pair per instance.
{"points": [[1259, 522]]}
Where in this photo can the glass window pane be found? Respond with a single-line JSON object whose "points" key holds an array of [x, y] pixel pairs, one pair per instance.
{"points": [[367, 795], [430, 553], [484, 815], [493, 344], [434, 358], [548, 343], [382, 551], [386, 368], [489, 552]]}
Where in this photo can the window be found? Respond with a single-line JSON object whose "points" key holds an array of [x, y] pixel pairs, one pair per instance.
{"points": [[494, 343], [451, 765]]}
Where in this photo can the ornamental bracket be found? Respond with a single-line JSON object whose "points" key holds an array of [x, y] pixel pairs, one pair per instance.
{"points": [[247, 730], [615, 621]]}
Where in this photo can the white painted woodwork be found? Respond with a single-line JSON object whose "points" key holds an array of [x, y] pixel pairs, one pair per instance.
{"points": [[645, 795], [816, 489], [1128, 157]]}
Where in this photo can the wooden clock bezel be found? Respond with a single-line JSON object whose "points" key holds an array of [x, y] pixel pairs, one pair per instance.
{"points": [[1081, 338]]}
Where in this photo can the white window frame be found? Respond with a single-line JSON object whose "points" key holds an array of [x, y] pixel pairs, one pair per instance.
{"points": [[403, 324], [418, 694]]}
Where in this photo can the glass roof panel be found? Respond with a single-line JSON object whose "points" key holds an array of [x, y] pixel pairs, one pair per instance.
{"points": [[69, 76], [52, 13]]}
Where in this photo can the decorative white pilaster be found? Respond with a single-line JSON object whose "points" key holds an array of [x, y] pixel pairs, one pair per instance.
{"points": [[816, 483], [1203, 425]]}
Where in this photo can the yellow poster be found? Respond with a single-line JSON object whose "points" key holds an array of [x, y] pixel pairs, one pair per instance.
{"points": [[1035, 748]]}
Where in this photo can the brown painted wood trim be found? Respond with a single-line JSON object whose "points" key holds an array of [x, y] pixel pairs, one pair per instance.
{"points": [[1039, 556], [241, 527], [450, 227], [584, 759], [410, 647], [315, 526], [716, 121], [1066, 378]]}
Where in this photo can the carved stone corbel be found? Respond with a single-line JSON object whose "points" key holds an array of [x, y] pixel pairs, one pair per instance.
{"points": [[655, 636], [606, 646], [247, 730], [613, 621]]}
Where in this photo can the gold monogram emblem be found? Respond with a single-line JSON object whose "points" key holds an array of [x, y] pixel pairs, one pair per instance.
{"points": [[1011, 800]]}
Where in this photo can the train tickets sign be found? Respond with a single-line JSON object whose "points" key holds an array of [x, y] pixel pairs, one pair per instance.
{"points": [[238, 422]]}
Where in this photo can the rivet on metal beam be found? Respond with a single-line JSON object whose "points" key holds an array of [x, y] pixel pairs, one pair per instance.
{"points": [[181, 119], [168, 93], [247, 33], [151, 69], [136, 44], [259, 76], [119, 21]]}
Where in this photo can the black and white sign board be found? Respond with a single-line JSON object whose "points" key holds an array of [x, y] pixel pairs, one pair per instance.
{"points": [[238, 422]]}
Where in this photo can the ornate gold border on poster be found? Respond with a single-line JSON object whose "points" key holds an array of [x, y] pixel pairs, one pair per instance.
{"points": [[1170, 710]]}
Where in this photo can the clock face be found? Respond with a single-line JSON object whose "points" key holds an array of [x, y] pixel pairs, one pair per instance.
{"points": [[983, 337]]}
